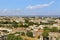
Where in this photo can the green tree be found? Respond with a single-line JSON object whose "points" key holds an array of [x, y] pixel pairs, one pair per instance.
{"points": [[29, 34], [5, 31], [46, 28], [45, 33], [22, 33], [54, 29], [13, 37]]}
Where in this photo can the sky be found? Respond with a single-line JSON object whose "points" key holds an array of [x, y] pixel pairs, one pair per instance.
{"points": [[29, 7]]}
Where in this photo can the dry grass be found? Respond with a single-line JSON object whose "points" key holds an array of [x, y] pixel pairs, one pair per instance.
{"points": [[28, 38]]}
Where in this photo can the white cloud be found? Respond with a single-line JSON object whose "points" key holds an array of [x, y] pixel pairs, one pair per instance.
{"points": [[40, 5], [12, 11], [5, 10]]}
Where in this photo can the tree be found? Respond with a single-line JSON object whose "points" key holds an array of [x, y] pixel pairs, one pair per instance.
{"points": [[29, 34], [22, 33], [5, 31], [13, 37], [59, 31], [45, 33], [18, 38], [54, 29], [46, 28], [30, 23], [10, 37], [39, 37]]}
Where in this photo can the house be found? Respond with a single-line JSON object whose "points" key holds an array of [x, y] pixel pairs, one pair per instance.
{"points": [[54, 36]]}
